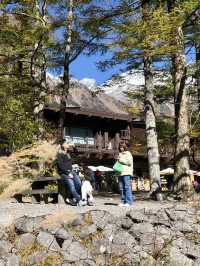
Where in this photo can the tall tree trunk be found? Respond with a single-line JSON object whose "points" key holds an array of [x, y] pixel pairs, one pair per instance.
{"points": [[66, 74], [182, 181], [197, 75], [151, 134], [150, 118]]}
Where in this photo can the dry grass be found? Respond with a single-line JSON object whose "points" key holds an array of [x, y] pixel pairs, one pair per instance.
{"points": [[14, 169], [45, 150], [14, 187], [28, 251], [54, 220], [52, 260]]}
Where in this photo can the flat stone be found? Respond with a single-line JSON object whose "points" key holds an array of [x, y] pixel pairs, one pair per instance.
{"points": [[2, 262], [75, 253], [37, 257], [3, 234], [66, 244], [87, 231], [187, 247], [149, 261], [5, 247], [54, 246], [160, 218], [137, 230], [176, 258], [110, 230], [100, 247], [77, 221], [28, 224], [163, 231], [151, 242], [12, 260], [101, 218], [45, 239], [124, 238], [88, 263], [196, 262], [183, 227], [137, 216], [24, 240], [62, 234], [126, 223]]}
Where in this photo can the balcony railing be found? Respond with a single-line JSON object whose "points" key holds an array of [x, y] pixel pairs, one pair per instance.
{"points": [[100, 143]]}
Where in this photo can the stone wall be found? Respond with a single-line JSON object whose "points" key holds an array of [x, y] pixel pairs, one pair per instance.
{"points": [[169, 236]]}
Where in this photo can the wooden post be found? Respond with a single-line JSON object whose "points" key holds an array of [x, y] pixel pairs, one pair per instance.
{"points": [[117, 142], [106, 140]]}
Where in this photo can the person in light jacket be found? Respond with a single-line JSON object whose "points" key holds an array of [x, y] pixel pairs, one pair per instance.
{"points": [[124, 180]]}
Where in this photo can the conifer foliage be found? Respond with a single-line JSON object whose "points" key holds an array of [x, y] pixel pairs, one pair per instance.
{"points": [[41, 35]]}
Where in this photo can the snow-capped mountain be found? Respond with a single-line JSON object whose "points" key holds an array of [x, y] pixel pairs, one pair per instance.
{"points": [[133, 81]]}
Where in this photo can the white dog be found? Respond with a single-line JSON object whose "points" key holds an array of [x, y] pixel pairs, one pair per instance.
{"points": [[86, 191]]}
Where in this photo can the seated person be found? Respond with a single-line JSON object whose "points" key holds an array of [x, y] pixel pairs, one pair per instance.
{"points": [[69, 178], [86, 189]]}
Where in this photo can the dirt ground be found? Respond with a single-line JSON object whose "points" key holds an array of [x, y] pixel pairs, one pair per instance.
{"points": [[9, 211]]}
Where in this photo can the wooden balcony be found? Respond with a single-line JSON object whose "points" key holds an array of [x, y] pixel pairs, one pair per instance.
{"points": [[103, 143]]}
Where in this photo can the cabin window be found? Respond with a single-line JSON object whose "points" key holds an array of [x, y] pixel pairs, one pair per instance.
{"points": [[79, 135]]}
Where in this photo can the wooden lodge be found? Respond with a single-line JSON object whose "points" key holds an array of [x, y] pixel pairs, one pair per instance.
{"points": [[95, 122]]}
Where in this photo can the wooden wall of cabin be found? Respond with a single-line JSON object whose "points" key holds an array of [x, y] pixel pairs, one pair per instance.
{"points": [[96, 124]]}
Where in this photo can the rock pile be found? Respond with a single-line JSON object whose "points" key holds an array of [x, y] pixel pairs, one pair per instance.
{"points": [[147, 237]]}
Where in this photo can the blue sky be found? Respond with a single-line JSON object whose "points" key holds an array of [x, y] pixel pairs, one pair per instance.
{"points": [[85, 67]]}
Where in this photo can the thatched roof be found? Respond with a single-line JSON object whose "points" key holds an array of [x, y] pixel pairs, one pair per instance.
{"points": [[81, 100]]}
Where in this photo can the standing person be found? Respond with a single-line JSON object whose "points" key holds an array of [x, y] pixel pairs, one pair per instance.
{"points": [[125, 158], [69, 178], [98, 180]]}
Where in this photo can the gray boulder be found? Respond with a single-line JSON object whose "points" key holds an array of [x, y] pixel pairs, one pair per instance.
{"points": [[12, 260], [196, 262], [110, 230], [77, 221], [87, 231], [28, 224], [187, 247], [137, 230], [75, 253], [2, 262], [37, 257], [47, 240], [176, 258], [5, 247], [62, 234], [137, 216], [24, 240], [126, 223], [183, 227], [124, 238], [152, 243], [101, 218], [101, 246], [67, 243]]}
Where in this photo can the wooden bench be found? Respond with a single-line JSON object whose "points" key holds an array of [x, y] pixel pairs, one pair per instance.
{"points": [[39, 190]]}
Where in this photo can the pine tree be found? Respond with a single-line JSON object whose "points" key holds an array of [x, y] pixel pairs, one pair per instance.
{"points": [[80, 31], [134, 46], [22, 69], [179, 11], [159, 38]]}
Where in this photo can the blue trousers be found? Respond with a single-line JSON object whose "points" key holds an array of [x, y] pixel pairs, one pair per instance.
{"points": [[125, 189], [73, 184]]}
